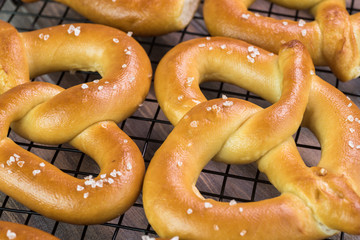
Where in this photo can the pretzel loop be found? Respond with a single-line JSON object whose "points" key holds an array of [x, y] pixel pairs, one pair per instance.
{"points": [[315, 202], [270, 130], [332, 39], [84, 115]]}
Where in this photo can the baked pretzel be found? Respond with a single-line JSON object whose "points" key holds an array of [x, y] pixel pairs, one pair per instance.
{"points": [[332, 39], [10, 231], [141, 17], [84, 115], [315, 202]]}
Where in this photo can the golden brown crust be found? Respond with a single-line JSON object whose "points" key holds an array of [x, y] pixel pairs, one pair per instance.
{"points": [[84, 115], [143, 17], [333, 35], [16, 231], [314, 203]]}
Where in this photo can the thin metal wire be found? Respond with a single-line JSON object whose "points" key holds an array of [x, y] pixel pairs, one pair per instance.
{"points": [[146, 143]]}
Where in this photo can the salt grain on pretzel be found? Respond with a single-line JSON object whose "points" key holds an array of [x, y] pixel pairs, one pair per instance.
{"points": [[332, 39], [141, 17], [315, 202], [84, 115]]}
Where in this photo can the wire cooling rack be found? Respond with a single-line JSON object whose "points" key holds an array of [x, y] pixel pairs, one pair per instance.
{"points": [[148, 127]]}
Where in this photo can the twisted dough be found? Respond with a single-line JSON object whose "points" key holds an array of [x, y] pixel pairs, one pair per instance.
{"points": [[16, 231], [315, 202], [143, 17], [332, 39], [84, 115]]}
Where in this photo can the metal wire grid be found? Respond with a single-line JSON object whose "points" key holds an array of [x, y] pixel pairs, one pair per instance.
{"points": [[148, 127]]}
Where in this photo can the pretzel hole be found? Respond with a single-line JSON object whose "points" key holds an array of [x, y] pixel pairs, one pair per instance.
{"points": [[213, 89], [308, 147], [69, 160], [277, 11]]}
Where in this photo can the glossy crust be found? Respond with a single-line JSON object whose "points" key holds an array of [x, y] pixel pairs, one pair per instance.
{"points": [[84, 115], [315, 202], [143, 17], [332, 39], [16, 231]]}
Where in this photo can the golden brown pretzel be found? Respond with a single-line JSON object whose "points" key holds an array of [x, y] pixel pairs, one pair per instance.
{"points": [[332, 39], [10, 231], [84, 115], [142, 17], [315, 202]]}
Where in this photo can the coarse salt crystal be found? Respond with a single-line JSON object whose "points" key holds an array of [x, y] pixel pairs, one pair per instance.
{"points": [[301, 23], [250, 59], [223, 46], [130, 33], [35, 172], [242, 233], [113, 173], [216, 227], [99, 183], [194, 124], [20, 163], [84, 86], [79, 188], [285, 23], [10, 234], [303, 32], [115, 40], [196, 101], [42, 164], [86, 195], [179, 163], [232, 202], [245, 16], [189, 211], [208, 205], [228, 103], [189, 81], [350, 118], [128, 166]]}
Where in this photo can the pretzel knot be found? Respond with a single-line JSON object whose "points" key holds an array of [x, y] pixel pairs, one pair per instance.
{"points": [[142, 17], [332, 39], [315, 202], [84, 115]]}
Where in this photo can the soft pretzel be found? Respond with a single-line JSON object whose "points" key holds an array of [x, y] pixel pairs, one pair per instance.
{"points": [[314, 203], [10, 231], [84, 115], [142, 17], [332, 39]]}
